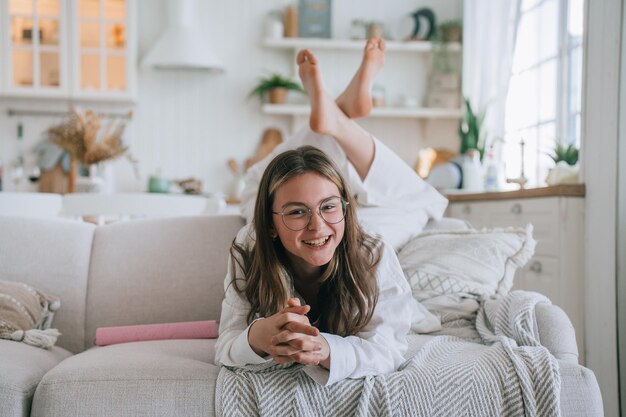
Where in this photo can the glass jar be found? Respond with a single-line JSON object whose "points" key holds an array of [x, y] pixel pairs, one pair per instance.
{"points": [[358, 29]]}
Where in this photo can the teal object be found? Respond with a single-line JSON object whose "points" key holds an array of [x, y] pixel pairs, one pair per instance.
{"points": [[159, 185], [314, 19]]}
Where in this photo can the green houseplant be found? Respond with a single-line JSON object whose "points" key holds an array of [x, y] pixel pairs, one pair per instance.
{"points": [[275, 86], [568, 153], [565, 170], [450, 31], [446, 32], [470, 132]]}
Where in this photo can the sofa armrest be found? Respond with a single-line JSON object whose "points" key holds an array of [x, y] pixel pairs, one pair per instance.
{"points": [[556, 332]]}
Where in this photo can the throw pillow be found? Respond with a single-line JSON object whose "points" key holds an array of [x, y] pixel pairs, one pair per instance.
{"points": [[202, 329], [26, 314], [474, 264]]}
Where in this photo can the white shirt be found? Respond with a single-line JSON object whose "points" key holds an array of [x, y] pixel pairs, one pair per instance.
{"points": [[393, 202], [377, 349]]}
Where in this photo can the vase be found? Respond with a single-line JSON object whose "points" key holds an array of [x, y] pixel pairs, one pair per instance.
{"points": [[91, 183], [277, 95], [71, 180], [236, 189], [472, 172]]}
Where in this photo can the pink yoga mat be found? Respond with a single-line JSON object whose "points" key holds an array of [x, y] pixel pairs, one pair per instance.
{"points": [[206, 329]]}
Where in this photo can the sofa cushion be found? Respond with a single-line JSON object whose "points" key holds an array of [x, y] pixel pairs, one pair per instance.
{"points": [[25, 310], [158, 271], [22, 367], [154, 378], [51, 255], [473, 263]]}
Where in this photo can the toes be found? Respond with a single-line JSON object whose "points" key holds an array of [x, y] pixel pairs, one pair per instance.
{"points": [[305, 55], [375, 43], [310, 56], [300, 58]]}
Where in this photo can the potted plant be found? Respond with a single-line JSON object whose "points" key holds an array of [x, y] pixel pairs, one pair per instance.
{"points": [[445, 33], [568, 153], [470, 130], [82, 138], [566, 169], [450, 31], [276, 87]]}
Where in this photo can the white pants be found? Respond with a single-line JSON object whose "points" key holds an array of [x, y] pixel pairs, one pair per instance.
{"points": [[393, 201]]}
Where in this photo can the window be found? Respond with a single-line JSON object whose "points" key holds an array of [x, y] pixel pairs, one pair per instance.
{"points": [[544, 99]]}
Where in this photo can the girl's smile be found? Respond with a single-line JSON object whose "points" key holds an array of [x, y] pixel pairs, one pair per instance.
{"points": [[314, 246]]}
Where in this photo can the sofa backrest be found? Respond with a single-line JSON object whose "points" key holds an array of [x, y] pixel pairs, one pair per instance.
{"points": [[158, 271], [52, 255]]}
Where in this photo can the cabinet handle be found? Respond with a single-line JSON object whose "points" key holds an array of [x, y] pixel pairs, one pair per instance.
{"points": [[516, 208], [536, 267], [467, 209]]}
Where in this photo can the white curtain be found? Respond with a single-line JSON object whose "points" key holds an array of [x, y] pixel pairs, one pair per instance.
{"points": [[489, 33]]}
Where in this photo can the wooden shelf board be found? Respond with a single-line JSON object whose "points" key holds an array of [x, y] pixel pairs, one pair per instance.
{"points": [[573, 190]]}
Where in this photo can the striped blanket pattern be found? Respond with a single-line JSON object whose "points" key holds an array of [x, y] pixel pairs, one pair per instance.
{"points": [[448, 376]]}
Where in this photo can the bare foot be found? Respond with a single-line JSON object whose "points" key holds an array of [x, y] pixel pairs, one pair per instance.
{"points": [[326, 118], [356, 99]]}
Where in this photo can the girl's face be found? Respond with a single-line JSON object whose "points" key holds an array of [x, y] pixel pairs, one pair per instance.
{"points": [[314, 246]]}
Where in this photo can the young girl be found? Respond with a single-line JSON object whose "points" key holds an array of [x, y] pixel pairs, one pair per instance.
{"points": [[305, 283]]}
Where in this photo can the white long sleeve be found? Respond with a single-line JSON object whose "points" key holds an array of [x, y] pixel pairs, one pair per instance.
{"points": [[380, 346], [377, 349], [232, 347], [393, 201]]}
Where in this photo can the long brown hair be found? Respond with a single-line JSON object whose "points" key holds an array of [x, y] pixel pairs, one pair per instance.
{"points": [[348, 292]]}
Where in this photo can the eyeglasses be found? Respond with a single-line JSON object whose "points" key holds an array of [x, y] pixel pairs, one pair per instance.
{"points": [[298, 216]]}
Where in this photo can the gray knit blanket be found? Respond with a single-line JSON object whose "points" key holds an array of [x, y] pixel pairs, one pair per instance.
{"points": [[511, 374]]}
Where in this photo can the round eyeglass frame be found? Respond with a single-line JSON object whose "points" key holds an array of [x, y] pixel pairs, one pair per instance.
{"points": [[344, 205]]}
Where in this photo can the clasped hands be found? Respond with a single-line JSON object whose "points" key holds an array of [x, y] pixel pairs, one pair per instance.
{"points": [[288, 336]]}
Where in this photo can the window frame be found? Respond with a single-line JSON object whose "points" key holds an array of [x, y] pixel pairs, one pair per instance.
{"points": [[566, 130]]}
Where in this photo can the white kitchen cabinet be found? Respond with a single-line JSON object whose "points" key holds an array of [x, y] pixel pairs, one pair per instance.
{"points": [[556, 269], [68, 49], [34, 48], [393, 109]]}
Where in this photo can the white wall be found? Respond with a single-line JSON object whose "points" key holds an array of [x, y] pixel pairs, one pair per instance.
{"points": [[189, 123], [621, 220], [599, 148]]}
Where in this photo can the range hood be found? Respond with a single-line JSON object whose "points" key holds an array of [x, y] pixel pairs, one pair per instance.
{"points": [[182, 46]]}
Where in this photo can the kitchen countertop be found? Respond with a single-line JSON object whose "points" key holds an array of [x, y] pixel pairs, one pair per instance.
{"points": [[573, 190]]}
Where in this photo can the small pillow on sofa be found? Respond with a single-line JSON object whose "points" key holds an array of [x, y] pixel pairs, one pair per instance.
{"points": [[476, 264], [26, 314], [203, 329]]}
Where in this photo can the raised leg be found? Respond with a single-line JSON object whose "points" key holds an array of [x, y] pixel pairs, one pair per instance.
{"points": [[356, 100], [328, 119]]}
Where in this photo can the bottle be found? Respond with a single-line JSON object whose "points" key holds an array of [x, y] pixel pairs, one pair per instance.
{"points": [[274, 26], [357, 29], [472, 171], [491, 172], [291, 22]]}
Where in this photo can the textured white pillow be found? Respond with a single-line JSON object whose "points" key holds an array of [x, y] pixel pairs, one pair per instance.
{"points": [[475, 264]]}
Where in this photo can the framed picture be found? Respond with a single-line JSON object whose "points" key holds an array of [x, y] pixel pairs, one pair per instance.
{"points": [[314, 18]]}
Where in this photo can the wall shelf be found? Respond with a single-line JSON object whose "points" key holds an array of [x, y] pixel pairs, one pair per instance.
{"points": [[352, 45], [399, 112]]}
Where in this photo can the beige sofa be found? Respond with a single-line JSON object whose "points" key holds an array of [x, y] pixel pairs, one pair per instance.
{"points": [[151, 271]]}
